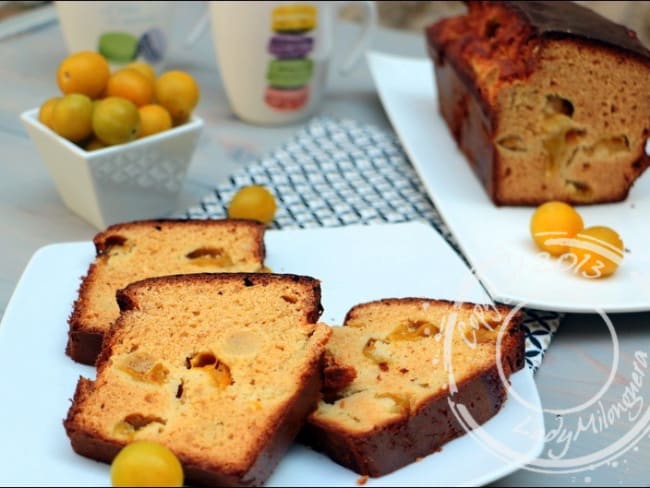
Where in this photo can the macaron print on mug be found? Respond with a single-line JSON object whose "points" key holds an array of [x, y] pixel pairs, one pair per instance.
{"points": [[291, 70], [274, 56], [122, 32]]}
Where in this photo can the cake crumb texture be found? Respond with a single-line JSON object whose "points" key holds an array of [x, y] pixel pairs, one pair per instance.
{"points": [[133, 251], [411, 355], [547, 100], [220, 368]]}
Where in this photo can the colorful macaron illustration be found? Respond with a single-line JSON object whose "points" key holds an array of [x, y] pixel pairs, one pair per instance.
{"points": [[294, 19], [152, 45], [289, 74], [118, 47], [285, 46], [286, 100], [124, 47]]}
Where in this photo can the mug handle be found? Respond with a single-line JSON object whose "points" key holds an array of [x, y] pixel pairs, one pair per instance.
{"points": [[196, 31], [368, 27]]}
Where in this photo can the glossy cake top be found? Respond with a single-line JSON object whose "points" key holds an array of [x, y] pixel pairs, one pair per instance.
{"points": [[568, 19]]}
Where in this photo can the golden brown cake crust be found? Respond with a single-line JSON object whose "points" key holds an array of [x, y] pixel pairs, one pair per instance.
{"points": [[90, 318], [399, 440], [396, 445], [547, 100], [265, 313], [292, 420]]}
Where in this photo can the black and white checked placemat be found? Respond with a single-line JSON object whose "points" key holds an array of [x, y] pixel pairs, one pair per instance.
{"points": [[341, 172]]}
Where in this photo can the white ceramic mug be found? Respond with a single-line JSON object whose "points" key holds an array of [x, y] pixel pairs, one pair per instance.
{"points": [[274, 56], [121, 31]]}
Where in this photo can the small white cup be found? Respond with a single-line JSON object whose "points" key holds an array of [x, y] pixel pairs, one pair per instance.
{"points": [[274, 56], [122, 32]]}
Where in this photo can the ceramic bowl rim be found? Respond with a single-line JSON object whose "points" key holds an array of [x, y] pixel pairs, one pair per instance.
{"points": [[31, 117]]}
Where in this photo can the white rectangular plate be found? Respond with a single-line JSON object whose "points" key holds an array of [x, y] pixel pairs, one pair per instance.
{"points": [[355, 264], [496, 240]]}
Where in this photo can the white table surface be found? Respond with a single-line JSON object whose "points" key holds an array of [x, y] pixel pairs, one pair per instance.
{"points": [[32, 215]]}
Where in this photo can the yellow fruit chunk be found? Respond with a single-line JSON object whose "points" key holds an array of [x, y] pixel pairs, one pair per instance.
{"points": [[143, 68], [153, 119], [85, 72], [146, 463], [553, 224], [598, 251], [72, 117], [47, 110], [132, 85], [179, 93], [115, 120], [253, 202]]}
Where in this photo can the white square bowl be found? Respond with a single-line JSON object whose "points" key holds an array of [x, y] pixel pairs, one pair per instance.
{"points": [[137, 180]]}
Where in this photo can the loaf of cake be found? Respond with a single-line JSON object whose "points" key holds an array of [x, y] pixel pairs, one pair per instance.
{"points": [[388, 387], [133, 251], [547, 100], [222, 368]]}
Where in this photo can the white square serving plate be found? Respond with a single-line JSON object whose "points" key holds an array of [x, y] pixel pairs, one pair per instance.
{"points": [[355, 264], [496, 240]]}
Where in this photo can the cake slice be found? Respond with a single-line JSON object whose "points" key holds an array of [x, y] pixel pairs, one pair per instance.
{"points": [[394, 371], [220, 368], [547, 99], [133, 251]]}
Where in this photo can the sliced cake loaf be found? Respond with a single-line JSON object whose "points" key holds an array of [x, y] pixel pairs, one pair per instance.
{"points": [[392, 370], [220, 368], [547, 99], [133, 251]]}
